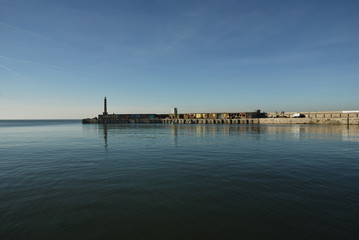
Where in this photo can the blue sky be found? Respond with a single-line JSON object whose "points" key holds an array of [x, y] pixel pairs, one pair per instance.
{"points": [[58, 59]]}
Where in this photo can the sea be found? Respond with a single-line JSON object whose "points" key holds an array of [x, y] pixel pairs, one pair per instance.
{"points": [[60, 179]]}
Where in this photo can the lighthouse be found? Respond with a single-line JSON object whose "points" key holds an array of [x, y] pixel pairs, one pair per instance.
{"points": [[105, 106]]}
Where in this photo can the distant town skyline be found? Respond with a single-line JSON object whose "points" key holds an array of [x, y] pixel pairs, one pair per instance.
{"points": [[59, 59]]}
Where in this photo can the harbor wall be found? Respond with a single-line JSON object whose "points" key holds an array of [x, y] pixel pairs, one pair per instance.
{"points": [[322, 118], [257, 117], [319, 121], [129, 121], [327, 114]]}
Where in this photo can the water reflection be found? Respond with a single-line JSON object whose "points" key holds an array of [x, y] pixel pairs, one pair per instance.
{"points": [[179, 132], [337, 132], [105, 134], [174, 133]]}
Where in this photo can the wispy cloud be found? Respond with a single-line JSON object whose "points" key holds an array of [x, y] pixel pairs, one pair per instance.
{"points": [[46, 65], [22, 30], [12, 71], [31, 33], [275, 59]]}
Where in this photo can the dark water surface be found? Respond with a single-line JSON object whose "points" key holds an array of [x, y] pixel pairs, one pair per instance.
{"points": [[65, 180]]}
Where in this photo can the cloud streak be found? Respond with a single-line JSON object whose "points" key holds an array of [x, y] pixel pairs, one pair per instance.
{"points": [[31, 33], [22, 30], [11, 71], [46, 65]]}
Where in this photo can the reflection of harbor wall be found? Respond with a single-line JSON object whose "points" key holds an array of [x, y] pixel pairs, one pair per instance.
{"points": [[321, 120], [315, 131], [178, 131]]}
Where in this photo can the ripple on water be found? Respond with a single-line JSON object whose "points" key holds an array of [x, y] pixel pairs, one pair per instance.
{"points": [[67, 180]]}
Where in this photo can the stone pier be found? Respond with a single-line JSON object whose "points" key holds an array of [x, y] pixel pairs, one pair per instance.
{"points": [[211, 121], [317, 121]]}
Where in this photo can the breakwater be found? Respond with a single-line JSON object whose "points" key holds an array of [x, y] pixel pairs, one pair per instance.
{"points": [[114, 120], [320, 118], [319, 121], [210, 121], [349, 120], [257, 117]]}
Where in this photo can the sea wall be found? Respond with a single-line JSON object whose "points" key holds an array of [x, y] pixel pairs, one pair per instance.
{"points": [[323, 118], [128, 121], [320, 121], [119, 121], [211, 121], [328, 114]]}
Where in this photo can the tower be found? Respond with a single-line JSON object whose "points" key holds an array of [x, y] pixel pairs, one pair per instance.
{"points": [[105, 106]]}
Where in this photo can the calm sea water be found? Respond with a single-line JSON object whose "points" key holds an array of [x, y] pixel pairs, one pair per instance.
{"points": [[65, 180]]}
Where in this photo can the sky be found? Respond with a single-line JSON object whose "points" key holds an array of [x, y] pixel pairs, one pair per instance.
{"points": [[59, 59]]}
